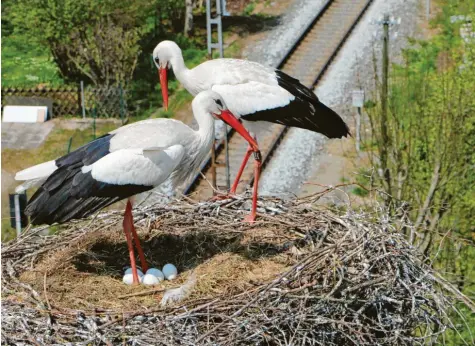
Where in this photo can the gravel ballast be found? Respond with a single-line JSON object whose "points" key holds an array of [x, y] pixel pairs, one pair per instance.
{"points": [[302, 151]]}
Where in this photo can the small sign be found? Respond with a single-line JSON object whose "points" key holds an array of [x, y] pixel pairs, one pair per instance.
{"points": [[25, 114], [358, 98]]}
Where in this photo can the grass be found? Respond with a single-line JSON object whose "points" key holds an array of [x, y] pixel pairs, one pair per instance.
{"points": [[26, 65], [249, 9]]}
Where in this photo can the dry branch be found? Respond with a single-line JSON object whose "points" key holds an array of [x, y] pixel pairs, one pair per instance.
{"points": [[352, 280]]}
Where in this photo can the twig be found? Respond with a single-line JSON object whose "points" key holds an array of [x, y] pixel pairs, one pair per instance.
{"points": [[144, 293]]}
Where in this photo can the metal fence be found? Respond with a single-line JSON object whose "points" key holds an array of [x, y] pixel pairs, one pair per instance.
{"points": [[109, 102]]}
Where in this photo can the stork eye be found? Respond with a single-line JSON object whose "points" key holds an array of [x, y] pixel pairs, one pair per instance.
{"points": [[157, 60], [219, 102]]}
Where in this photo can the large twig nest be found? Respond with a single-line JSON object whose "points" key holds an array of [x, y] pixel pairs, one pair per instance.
{"points": [[303, 274]]}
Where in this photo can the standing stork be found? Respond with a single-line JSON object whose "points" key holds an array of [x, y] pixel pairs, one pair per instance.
{"points": [[127, 161], [255, 93]]}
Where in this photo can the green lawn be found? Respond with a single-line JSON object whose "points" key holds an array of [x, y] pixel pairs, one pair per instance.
{"points": [[27, 65]]}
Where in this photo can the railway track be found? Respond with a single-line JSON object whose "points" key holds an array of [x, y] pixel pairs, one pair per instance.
{"points": [[307, 61]]}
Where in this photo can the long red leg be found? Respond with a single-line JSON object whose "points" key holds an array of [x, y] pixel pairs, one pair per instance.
{"points": [[257, 172], [143, 262], [127, 229], [241, 169]]}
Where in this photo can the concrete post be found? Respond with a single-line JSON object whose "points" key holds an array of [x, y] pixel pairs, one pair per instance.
{"points": [[17, 215]]}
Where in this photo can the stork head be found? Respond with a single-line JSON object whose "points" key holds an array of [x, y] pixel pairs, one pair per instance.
{"points": [[212, 103], [164, 54]]}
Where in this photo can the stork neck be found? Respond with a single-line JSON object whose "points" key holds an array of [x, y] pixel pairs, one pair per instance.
{"points": [[179, 68], [205, 124]]}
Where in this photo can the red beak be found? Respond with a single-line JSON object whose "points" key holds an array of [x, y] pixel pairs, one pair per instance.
{"points": [[162, 74], [231, 120]]}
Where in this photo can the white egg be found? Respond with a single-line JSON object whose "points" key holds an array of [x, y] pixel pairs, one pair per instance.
{"points": [[129, 271], [170, 271], [150, 279], [128, 279], [157, 273]]}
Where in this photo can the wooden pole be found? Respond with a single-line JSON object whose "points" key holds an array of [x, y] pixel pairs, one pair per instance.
{"points": [[121, 103], [384, 105], [94, 122], [358, 129], [82, 101], [70, 142], [213, 166]]}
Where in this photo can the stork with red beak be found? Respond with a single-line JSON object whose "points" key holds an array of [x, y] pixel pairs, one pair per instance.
{"points": [[257, 94], [127, 161]]}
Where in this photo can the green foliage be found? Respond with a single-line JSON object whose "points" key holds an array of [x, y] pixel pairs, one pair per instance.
{"points": [[194, 56], [431, 129], [358, 191], [249, 8], [87, 39], [171, 14], [363, 178], [431, 124], [8, 232], [27, 65], [106, 43]]}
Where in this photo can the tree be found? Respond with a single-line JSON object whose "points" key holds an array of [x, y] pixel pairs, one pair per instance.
{"points": [[431, 128], [107, 55], [97, 39], [188, 17], [430, 152]]}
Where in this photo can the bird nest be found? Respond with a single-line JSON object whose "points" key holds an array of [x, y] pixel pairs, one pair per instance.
{"points": [[302, 274]]}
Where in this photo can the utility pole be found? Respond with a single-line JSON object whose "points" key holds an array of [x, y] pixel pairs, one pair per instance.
{"points": [[220, 10], [384, 103]]}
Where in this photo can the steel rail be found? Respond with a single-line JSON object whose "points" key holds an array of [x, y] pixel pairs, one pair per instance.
{"points": [[282, 63]]}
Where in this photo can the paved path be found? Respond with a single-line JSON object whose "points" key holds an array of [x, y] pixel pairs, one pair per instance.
{"points": [[25, 135]]}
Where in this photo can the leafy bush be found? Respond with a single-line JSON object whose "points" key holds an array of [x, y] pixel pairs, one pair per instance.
{"points": [[428, 175]]}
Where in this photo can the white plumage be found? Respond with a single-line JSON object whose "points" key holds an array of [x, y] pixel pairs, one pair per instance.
{"points": [[258, 94], [251, 97], [175, 295], [145, 153], [246, 86], [34, 176], [149, 167], [249, 88], [132, 159]]}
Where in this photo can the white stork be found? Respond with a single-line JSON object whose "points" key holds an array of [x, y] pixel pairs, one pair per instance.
{"points": [[255, 93], [127, 161]]}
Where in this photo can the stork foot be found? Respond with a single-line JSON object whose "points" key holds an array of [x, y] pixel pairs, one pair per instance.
{"points": [[251, 218], [131, 236], [222, 197]]}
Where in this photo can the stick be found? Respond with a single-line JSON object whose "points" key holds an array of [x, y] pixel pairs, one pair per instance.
{"points": [[144, 293]]}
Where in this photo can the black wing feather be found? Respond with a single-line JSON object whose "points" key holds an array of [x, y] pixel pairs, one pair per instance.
{"points": [[305, 111], [69, 193]]}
